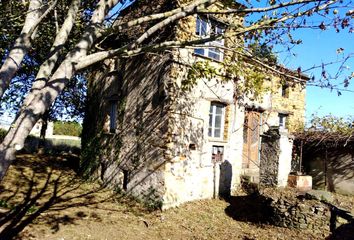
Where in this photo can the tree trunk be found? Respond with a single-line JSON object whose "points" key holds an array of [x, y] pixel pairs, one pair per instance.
{"points": [[22, 44], [6, 156], [41, 101], [48, 65]]}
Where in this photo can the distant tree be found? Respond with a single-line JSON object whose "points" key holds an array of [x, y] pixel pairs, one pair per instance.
{"points": [[67, 128], [264, 52], [331, 123]]}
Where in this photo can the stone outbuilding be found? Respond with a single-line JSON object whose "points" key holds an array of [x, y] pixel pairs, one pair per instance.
{"points": [[329, 158], [152, 132]]}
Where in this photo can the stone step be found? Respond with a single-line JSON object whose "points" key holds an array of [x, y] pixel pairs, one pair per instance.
{"points": [[252, 173]]}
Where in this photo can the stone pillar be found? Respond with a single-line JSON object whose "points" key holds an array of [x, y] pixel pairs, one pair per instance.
{"points": [[269, 162], [276, 152], [285, 156]]}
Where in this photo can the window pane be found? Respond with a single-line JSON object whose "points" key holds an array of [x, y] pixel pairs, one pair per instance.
{"points": [[216, 118], [217, 121], [214, 53], [207, 28], [217, 132], [282, 120], [197, 30], [285, 91], [204, 28], [219, 30], [219, 109], [209, 132], [210, 120], [199, 51], [201, 27], [113, 116], [211, 108], [212, 30]]}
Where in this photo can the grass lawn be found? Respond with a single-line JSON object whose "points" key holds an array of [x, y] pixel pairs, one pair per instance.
{"points": [[42, 198]]}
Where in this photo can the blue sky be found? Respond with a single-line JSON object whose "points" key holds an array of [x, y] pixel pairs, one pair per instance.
{"points": [[321, 46]]}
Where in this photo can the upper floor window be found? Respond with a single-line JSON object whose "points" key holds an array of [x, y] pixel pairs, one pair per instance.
{"points": [[206, 28], [285, 90], [216, 120]]}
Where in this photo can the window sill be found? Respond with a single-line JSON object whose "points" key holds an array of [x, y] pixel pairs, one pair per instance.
{"points": [[218, 140], [208, 58]]}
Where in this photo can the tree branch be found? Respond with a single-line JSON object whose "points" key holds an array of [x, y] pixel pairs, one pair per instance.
{"points": [[262, 9]]}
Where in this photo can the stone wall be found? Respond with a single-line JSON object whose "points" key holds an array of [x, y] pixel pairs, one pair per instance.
{"points": [[191, 174], [131, 157], [145, 123], [302, 214], [96, 141], [272, 102], [292, 104], [270, 151]]}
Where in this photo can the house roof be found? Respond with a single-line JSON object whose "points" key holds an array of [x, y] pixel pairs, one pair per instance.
{"points": [[323, 138], [291, 72], [278, 69]]}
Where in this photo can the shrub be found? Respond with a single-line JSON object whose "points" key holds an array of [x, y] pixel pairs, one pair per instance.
{"points": [[67, 128]]}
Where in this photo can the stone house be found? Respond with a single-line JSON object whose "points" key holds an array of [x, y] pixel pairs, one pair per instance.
{"points": [[150, 131]]}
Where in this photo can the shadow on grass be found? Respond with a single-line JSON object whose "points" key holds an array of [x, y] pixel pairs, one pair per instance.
{"points": [[38, 188], [253, 208], [343, 232]]}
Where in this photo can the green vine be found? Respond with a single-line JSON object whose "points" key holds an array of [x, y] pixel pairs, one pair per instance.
{"points": [[200, 70], [253, 83]]}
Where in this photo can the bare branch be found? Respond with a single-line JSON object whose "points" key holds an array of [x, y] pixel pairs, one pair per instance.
{"points": [[120, 26], [262, 9], [62, 36], [13, 61]]}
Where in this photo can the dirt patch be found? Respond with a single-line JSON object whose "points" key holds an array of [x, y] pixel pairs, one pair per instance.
{"points": [[42, 198]]}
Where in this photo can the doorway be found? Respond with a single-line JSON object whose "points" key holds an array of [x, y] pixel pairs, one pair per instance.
{"points": [[251, 131]]}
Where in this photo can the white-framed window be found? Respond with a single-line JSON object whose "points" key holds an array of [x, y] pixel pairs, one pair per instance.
{"points": [[216, 120], [113, 116], [282, 120], [206, 28]]}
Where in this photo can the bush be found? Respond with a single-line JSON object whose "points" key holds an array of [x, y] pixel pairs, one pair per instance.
{"points": [[67, 128]]}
